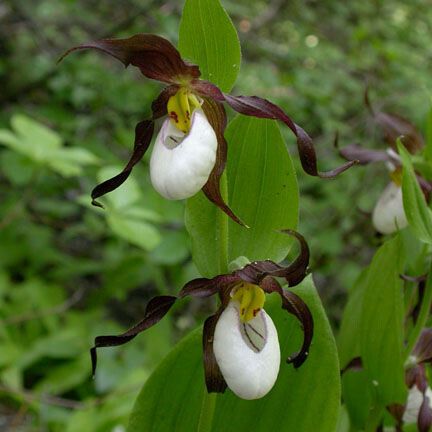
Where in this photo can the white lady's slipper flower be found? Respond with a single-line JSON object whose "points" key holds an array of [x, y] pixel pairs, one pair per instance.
{"points": [[414, 403], [246, 344], [389, 215], [181, 162], [158, 59], [240, 343]]}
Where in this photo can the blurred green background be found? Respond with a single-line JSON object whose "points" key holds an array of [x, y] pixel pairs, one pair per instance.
{"points": [[69, 271]]}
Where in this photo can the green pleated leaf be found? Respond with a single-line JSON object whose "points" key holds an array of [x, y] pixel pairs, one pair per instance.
{"points": [[356, 393], [262, 191], [208, 38], [303, 400], [349, 333], [417, 212], [381, 335]]}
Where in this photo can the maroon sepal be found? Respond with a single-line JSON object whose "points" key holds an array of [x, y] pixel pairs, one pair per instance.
{"points": [[424, 420], [156, 57], [203, 287], [262, 108], [214, 379], [143, 136], [365, 156], [395, 126], [293, 304], [216, 116], [293, 274], [423, 348], [156, 309]]}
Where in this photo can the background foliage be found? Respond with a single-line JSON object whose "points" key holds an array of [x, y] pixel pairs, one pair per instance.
{"points": [[69, 271]]}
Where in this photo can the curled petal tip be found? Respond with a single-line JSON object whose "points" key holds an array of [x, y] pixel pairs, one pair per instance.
{"points": [[97, 204], [335, 172]]}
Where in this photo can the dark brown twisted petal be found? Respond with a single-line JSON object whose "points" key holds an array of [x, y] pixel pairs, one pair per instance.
{"points": [[156, 309], [216, 116], [143, 136], [365, 156], [424, 421], [293, 304], [293, 274], [204, 287], [423, 348], [156, 57], [415, 376], [395, 126], [214, 379], [262, 108]]}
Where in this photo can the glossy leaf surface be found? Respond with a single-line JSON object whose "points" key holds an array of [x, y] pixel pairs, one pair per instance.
{"points": [[266, 202], [381, 338], [208, 38], [349, 333]]}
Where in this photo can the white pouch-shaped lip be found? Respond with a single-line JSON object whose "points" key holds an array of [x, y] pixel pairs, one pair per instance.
{"points": [[414, 403], [248, 354], [389, 215], [181, 163]]}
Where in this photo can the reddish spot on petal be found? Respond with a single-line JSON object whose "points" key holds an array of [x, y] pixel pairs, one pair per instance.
{"points": [[188, 115], [174, 116], [255, 311]]}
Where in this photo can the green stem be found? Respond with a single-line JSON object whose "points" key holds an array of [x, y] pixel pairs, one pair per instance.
{"points": [[422, 317], [207, 412], [223, 228]]}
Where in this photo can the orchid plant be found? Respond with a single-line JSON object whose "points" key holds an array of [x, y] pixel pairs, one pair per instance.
{"points": [[242, 343], [388, 215], [394, 292]]}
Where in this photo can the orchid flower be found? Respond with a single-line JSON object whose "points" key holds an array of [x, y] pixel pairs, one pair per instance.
{"points": [[389, 215], [190, 150], [240, 342], [418, 407]]}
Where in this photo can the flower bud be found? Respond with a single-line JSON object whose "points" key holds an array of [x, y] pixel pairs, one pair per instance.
{"points": [[389, 215], [247, 353], [181, 163]]}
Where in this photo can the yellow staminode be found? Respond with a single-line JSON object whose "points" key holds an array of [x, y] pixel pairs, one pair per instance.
{"points": [[251, 298], [180, 108], [396, 176]]}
